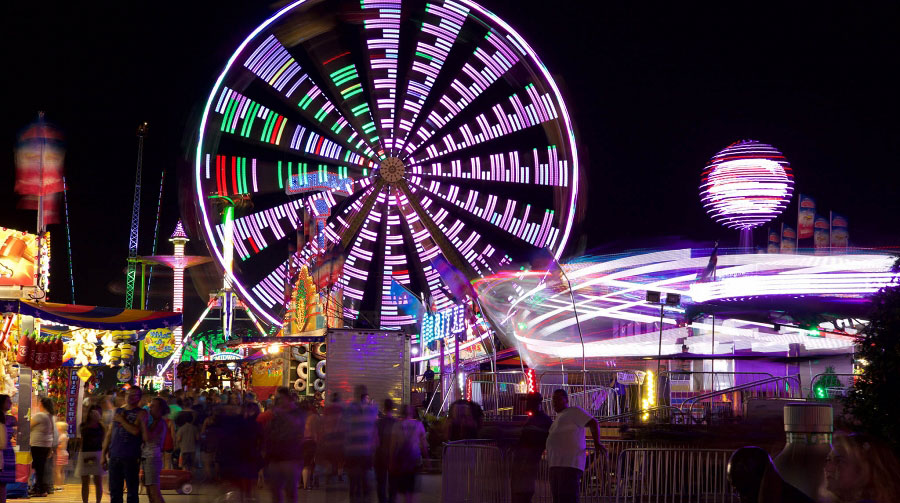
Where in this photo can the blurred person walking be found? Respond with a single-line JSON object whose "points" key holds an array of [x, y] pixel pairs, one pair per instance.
{"points": [[408, 448], [566, 448], [310, 434], [153, 431], [527, 453], [186, 438], [89, 464], [331, 437], [384, 426], [121, 453], [465, 419], [247, 450], [359, 443], [7, 454], [61, 454], [43, 432], [282, 448]]}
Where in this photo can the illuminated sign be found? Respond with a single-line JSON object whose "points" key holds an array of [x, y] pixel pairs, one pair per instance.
{"points": [[18, 258], [444, 323], [225, 355]]}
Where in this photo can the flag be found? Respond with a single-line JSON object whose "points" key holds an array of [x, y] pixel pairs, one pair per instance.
{"points": [[840, 236], [774, 245], [458, 285], [407, 303], [822, 234], [788, 239], [709, 274], [806, 214]]}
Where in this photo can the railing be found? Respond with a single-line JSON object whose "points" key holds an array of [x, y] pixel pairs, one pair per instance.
{"points": [[774, 387], [476, 471], [662, 414], [831, 392], [673, 475]]}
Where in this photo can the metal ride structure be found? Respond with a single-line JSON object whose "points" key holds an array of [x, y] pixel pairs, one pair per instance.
{"points": [[403, 132], [131, 272]]}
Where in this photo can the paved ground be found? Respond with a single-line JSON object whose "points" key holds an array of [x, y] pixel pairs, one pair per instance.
{"points": [[429, 492]]}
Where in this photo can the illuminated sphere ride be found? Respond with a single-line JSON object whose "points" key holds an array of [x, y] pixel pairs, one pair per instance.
{"points": [[746, 184], [402, 133]]}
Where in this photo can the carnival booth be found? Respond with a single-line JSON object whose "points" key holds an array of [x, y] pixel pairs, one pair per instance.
{"points": [[58, 350]]}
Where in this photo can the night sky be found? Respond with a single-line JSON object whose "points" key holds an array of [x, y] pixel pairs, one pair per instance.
{"points": [[655, 91]]}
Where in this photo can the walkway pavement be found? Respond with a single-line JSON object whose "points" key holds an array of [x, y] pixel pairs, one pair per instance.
{"points": [[429, 492]]}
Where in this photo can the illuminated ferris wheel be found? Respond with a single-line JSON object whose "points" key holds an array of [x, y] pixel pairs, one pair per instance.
{"points": [[399, 132]]}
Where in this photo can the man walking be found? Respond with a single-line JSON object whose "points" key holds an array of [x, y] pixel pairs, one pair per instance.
{"points": [[122, 448], [282, 451], [527, 453], [359, 443], [384, 426], [566, 448]]}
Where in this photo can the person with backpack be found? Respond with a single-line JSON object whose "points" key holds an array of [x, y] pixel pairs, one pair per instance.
{"points": [[408, 448], [282, 448]]}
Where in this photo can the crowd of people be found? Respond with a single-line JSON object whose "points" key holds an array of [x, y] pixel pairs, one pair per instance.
{"points": [[287, 443]]}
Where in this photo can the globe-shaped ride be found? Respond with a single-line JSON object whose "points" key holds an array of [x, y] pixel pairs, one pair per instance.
{"points": [[746, 184], [401, 133]]}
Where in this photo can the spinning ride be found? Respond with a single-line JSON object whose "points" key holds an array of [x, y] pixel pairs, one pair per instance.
{"points": [[400, 133]]}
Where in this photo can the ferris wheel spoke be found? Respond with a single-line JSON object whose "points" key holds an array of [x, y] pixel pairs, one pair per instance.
{"points": [[381, 37], [519, 220], [418, 239], [440, 28], [273, 63], [340, 70], [505, 118], [537, 167], [490, 61]]}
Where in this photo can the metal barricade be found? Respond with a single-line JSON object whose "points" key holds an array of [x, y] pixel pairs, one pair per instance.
{"points": [[474, 472], [673, 475]]}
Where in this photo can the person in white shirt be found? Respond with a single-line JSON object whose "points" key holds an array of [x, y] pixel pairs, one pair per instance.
{"points": [[566, 448]]}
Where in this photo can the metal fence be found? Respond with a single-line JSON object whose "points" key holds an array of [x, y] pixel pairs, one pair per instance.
{"points": [[630, 471], [674, 475]]}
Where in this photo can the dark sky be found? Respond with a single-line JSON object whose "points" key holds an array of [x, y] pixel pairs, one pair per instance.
{"points": [[655, 91]]}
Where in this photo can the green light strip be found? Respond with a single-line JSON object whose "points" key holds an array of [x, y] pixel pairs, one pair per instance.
{"points": [[305, 101], [280, 181]]}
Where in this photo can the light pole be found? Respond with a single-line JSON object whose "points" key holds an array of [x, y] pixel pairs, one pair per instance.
{"points": [[671, 299]]}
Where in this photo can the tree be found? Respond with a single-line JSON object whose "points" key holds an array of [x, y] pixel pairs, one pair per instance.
{"points": [[874, 403], [828, 380]]}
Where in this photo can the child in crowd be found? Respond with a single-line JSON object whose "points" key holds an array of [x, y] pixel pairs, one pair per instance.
{"points": [[62, 454], [186, 441]]}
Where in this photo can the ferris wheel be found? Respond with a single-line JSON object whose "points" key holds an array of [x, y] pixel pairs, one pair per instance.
{"points": [[400, 132]]}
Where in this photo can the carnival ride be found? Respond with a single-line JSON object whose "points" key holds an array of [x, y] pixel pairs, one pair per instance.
{"points": [[595, 307], [395, 133]]}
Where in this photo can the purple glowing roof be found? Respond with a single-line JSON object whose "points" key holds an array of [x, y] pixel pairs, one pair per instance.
{"points": [[179, 231]]}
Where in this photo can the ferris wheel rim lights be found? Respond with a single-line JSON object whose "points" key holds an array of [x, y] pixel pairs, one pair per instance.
{"points": [[746, 184], [512, 33]]}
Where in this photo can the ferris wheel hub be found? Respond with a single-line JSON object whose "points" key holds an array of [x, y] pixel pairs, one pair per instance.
{"points": [[392, 170]]}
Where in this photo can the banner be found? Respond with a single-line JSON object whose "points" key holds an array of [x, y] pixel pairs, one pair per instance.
{"points": [[840, 235], [18, 258], [821, 234], [806, 215], [72, 401], [774, 245], [788, 239]]}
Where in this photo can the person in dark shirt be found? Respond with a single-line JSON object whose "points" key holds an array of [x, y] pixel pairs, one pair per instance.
{"points": [[121, 453], [89, 465], [465, 420], [383, 427], [527, 453]]}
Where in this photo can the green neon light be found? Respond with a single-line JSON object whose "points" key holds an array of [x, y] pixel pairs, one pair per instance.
{"points": [[365, 172], [307, 99], [267, 129], [423, 55], [227, 114], [355, 87], [290, 171], [368, 127], [280, 181], [360, 109]]}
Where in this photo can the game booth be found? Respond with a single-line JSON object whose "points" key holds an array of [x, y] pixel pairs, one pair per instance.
{"points": [[62, 351]]}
